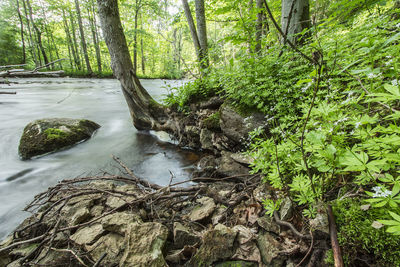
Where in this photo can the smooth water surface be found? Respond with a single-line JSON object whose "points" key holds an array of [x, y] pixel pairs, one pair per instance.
{"points": [[100, 100]]}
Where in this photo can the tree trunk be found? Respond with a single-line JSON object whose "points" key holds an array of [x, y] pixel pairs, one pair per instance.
{"points": [[32, 41], [202, 31], [75, 43], [38, 34], [259, 26], [22, 34], [192, 28], [71, 49], [83, 41], [145, 111], [91, 16], [295, 18]]}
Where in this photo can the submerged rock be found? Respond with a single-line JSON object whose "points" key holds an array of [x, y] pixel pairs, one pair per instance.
{"points": [[49, 135]]}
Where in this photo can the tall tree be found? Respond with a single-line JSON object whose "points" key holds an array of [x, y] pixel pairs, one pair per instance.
{"points": [[259, 25], [93, 27], [22, 33], [202, 31], [295, 18], [31, 39], [74, 39], [146, 113], [83, 41]]}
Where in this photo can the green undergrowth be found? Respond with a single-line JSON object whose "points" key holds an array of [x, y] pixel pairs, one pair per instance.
{"points": [[334, 131]]}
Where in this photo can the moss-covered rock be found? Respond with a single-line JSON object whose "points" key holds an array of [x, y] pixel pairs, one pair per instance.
{"points": [[49, 135]]}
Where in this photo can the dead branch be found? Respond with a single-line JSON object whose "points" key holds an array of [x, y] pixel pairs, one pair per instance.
{"points": [[12, 66], [8, 93], [289, 225], [337, 254], [34, 72]]}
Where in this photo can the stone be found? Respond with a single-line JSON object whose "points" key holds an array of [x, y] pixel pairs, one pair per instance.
{"points": [[261, 192], [184, 236], [97, 210], [4, 256], [213, 103], [236, 264], [202, 211], [206, 139], [228, 167], [218, 245], [24, 250], [118, 222], [268, 224], [246, 245], [242, 159], [110, 244], [269, 248], [218, 215], [237, 127], [88, 235], [320, 222], [50, 135], [82, 214], [286, 210], [144, 244]]}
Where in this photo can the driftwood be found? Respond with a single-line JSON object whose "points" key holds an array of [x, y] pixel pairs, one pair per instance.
{"points": [[11, 71]]}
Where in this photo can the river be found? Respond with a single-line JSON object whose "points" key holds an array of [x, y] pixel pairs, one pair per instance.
{"points": [[100, 100]]}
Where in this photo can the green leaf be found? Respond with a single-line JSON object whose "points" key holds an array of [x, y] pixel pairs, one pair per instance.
{"points": [[395, 216], [394, 90]]}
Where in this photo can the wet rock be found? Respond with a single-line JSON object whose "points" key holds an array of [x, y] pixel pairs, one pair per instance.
{"points": [[228, 167], [242, 159], [49, 135], [286, 210], [88, 235], [118, 222], [269, 248], [236, 126], [184, 236], [110, 244], [205, 167], [144, 244], [218, 245], [202, 211]]}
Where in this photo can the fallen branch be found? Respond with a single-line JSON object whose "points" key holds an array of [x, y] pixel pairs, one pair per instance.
{"points": [[289, 225], [8, 93], [34, 72], [337, 254]]}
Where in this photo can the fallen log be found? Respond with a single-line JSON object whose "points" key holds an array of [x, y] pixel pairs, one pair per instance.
{"points": [[30, 73], [8, 93]]}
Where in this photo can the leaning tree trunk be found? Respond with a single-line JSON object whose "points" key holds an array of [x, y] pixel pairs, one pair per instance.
{"points": [[202, 31], [145, 111], [295, 18]]}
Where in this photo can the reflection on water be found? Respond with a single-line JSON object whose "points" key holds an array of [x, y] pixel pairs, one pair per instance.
{"points": [[97, 100]]}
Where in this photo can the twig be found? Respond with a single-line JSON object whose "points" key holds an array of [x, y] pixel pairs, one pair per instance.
{"points": [[73, 254], [99, 260], [309, 250], [288, 224], [337, 255], [16, 244]]}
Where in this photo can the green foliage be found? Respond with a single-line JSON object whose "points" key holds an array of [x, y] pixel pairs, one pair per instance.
{"points": [[357, 237], [10, 52]]}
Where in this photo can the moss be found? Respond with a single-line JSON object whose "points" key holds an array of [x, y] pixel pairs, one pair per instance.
{"points": [[212, 122], [54, 133], [359, 240]]}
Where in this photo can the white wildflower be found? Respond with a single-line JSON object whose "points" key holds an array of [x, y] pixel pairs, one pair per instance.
{"points": [[395, 82], [357, 124]]}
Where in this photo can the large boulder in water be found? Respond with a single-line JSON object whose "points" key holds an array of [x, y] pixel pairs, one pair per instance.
{"points": [[49, 135]]}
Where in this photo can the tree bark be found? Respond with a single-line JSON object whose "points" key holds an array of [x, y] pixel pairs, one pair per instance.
{"points": [[145, 111], [22, 34], [295, 18], [83, 41], [202, 31], [92, 21]]}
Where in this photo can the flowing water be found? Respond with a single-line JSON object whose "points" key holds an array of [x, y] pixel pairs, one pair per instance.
{"points": [[99, 100]]}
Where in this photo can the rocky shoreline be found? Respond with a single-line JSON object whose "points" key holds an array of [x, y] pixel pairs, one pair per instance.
{"points": [[217, 219]]}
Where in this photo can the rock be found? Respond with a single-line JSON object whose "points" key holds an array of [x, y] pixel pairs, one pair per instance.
{"points": [[206, 139], [286, 210], [218, 215], [218, 244], [320, 222], [228, 167], [242, 159], [88, 235], [205, 167], [24, 250], [97, 210], [118, 222], [235, 126], [16, 263], [261, 192], [144, 244], [236, 264], [202, 211], [212, 103], [269, 248], [246, 245], [184, 236], [49, 135], [268, 224], [4, 256], [82, 214], [180, 256], [110, 244]]}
